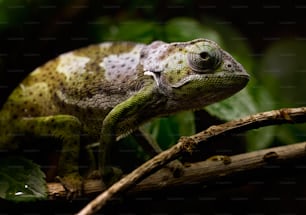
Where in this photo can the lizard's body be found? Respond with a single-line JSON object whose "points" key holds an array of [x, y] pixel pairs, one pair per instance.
{"points": [[107, 90]]}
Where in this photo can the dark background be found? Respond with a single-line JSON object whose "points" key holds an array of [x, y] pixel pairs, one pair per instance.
{"points": [[42, 30]]}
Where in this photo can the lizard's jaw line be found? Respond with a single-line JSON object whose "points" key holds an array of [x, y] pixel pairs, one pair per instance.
{"points": [[201, 77]]}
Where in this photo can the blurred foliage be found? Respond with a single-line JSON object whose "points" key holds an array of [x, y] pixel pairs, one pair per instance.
{"points": [[277, 75], [21, 180]]}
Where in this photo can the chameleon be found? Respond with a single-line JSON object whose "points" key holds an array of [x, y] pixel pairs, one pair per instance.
{"points": [[105, 91]]}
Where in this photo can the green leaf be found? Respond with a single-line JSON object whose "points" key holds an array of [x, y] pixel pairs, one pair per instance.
{"points": [[167, 131], [250, 100], [260, 138], [21, 180], [235, 107], [263, 137]]}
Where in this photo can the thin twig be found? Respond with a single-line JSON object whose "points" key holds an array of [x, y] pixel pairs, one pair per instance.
{"points": [[290, 115]]}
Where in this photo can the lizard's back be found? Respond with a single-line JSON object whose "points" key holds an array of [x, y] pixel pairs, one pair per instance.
{"points": [[86, 83]]}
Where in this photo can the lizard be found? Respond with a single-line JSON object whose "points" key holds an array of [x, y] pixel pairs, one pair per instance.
{"points": [[105, 91]]}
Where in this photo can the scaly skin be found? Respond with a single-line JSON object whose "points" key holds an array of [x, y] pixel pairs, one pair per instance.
{"points": [[107, 90]]}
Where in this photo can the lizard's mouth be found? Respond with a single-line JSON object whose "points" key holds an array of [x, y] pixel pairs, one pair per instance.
{"points": [[213, 79]]}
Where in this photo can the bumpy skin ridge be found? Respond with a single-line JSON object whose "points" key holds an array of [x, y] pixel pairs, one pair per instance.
{"points": [[107, 90]]}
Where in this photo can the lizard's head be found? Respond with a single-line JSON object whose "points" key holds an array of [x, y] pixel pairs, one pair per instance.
{"points": [[198, 70]]}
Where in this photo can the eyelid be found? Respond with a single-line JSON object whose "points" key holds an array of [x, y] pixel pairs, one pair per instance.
{"points": [[207, 64]]}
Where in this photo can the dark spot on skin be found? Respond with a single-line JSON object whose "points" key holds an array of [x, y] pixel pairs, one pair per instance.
{"points": [[163, 56], [170, 79], [122, 65], [89, 94], [118, 76], [52, 92], [128, 77], [180, 62], [113, 66], [40, 94], [129, 68], [132, 60]]}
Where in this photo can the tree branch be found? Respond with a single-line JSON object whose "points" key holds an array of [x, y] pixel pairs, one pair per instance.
{"points": [[200, 172], [290, 115]]}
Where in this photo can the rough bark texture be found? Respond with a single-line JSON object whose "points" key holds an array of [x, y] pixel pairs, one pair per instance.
{"points": [[201, 172]]}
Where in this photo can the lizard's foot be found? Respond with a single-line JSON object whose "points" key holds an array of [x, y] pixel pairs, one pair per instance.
{"points": [[94, 174], [73, 185], [176, 167], [111, 174]]}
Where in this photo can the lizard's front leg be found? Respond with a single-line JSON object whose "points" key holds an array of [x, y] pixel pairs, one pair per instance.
{"points": [[127, 111], [66, 129]]}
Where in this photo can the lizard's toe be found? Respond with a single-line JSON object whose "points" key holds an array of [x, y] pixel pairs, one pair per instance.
{"points": [[73, 185]]}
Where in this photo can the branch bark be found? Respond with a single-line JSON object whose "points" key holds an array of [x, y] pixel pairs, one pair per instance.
{"points": [[200, 172], [289, 115]]}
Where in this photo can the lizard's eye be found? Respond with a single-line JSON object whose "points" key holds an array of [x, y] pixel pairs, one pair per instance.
{"points": [[204, 58]]}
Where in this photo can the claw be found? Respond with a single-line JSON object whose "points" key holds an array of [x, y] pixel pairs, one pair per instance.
{"points": [[72, 184]]}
